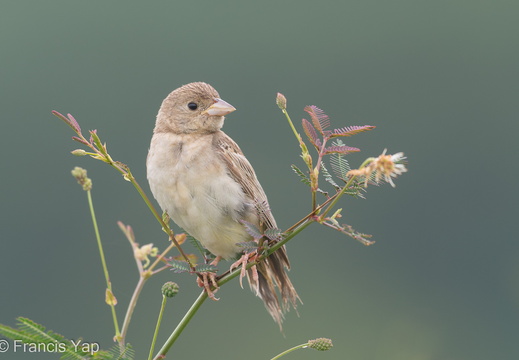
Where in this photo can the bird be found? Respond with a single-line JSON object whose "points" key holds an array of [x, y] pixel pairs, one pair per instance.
{"points": [[203, 181]]}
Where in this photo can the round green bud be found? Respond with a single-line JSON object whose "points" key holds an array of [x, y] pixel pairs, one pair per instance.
{"points": [[170, 289]]}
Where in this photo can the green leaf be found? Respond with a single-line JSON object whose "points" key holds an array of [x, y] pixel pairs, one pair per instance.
{"points": [[179, 266], [248, 246], [195, 243], [206, 268], [38, 330], [252, 230], [273, 234], [304, 177], [30, 332], [328, 177], [356, 190], [115, 353], [338, 162]]}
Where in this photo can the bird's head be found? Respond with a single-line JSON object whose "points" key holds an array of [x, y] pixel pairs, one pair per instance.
{"points": [[192, 108]]}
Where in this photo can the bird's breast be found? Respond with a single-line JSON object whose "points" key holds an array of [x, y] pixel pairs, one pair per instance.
{"points": [[192, 184]]}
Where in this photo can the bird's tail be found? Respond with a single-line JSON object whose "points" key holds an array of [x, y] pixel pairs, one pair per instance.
{"points": [[273, 285]]}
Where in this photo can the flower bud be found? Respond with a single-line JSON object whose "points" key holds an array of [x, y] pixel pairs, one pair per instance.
{"points": [[81, 176], [321, 344], [79, 152], [281, 101], [170, 289]]}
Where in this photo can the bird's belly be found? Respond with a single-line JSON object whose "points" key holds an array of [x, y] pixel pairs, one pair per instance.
{"points": [[207, 203]]}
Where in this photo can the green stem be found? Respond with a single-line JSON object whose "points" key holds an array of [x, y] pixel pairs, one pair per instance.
{"points": [[289, 350], [182, 325], [159, 320], [291, 124], [203, 296], [125, 171], [103, 261], [231, 275], [316, 211]]}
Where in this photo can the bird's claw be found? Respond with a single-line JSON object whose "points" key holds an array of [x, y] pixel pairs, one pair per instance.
{"points": [[207, 280], [242, 262]]}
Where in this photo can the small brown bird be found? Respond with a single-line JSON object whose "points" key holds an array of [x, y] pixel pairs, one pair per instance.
{"points": [[201, 178]]}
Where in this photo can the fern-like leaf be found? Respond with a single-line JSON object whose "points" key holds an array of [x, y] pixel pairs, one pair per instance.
{"points": [[360, 237], [304, 178], [248, 246], [340, 150], [350, 130], [206, 268], [339, 165], [179, 266], [328, 177], [115, 353], [30, 332], [311, 133], [252, 230], [12, 333], [273, 234], [325, 193], [356, 190], [320, 120], [30, 327], [69, 120], [196, 244]]}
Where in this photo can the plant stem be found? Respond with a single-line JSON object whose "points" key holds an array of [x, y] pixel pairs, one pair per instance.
{"points": [[228, 276], [161, 257], [157, 216], [289, 350], [103, 261], [182, 325], [143, 276], [157, 327], [225, 279], [131, 308], [291, 124], [345, 187]]}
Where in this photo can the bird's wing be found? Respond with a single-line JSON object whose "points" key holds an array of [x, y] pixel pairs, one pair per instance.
{"points": [[242, 172]]}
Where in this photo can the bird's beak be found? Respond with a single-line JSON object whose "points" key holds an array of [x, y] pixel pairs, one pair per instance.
{"points": [[219, 108]]}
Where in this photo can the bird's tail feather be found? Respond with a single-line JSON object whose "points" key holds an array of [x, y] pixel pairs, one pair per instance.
{"points": [[273, 285]]}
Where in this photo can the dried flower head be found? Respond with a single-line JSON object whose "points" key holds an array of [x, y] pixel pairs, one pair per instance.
{"points": [[383, 167]]}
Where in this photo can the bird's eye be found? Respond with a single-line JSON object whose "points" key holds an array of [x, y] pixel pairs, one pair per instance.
{"points": [[192, 106]]}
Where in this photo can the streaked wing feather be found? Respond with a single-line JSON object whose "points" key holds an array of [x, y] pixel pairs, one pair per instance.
{"points": [[242, 172]]}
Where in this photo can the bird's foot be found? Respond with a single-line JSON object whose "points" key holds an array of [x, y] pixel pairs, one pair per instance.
{"points": [[207, 280], [242, 262]]}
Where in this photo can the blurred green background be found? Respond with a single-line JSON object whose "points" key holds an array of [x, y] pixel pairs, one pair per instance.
{"points": [[440, 81]]}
